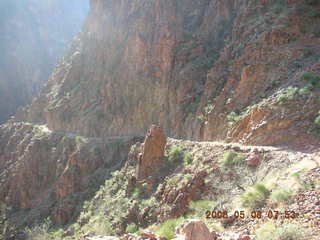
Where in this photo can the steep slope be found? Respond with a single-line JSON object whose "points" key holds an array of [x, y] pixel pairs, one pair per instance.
{"points": [[34, 35], [192, 67], [217, 178], [46, 173]]}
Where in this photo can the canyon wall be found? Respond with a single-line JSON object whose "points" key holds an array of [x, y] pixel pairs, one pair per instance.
{"points": [[34, 35], [186, 66]]}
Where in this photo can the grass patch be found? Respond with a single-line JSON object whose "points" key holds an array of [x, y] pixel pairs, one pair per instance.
{"points": [[270, 231], [256, 197], [132, 228], [199, 208], [231, 158], [281, 195], [168, 228]]}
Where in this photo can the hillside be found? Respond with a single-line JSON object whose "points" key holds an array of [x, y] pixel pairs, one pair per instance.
{"points": [[34, 35], [234, 84]]}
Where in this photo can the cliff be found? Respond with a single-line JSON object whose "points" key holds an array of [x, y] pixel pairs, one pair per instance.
{"points": [[34, 35], [189, 67]]}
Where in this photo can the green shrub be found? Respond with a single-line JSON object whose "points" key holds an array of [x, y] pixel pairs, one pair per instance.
{"points": [[167, 229], [187, 158], [289, 231], [79, 139], [288, 95], [96, 150], [262, 189], [132, 228], [233, 117], [313, 79], [282, 195], [256, 197], [317, 122], [270, 231], [175, 154], [173, 182], [198, 208], [231, 158], [267, 231], [139, 191], [64, 139], [208, 109], [314, 13]]}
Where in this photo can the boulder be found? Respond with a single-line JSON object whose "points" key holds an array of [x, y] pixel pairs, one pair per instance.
{"points": [[254, 159], [195, 230], [152, 157]]}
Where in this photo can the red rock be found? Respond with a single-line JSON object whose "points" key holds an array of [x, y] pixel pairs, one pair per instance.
{"points": [[152, 154], [195, 230]]}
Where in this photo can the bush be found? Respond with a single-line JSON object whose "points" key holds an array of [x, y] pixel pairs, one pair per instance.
{"points": [[198, 208], [289, 232], [79, 139], [288, 95], [96, 150], [231, 158], [208, 109], [176, 154], [313, 79], [255, 198], [266, 231], [173, 182], [139, 191], [314, 13], [233, 117], [317, 122], [167, 229], [262, 189], [269, 231], [132, 228], [281, 195], [187, 158]]}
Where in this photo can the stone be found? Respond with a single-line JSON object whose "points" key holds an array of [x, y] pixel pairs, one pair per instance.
{"points": [[153, 152], [195, 230], [253, 160]]}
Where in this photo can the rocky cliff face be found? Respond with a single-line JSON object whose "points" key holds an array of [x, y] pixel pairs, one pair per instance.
{"points": [[46, 173], [34, 35], [187, 66]]}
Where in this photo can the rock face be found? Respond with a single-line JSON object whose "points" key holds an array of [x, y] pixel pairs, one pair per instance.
{"points": [[195, 230], [34, 35], [187, 66], [152, 157], [53, 172]]}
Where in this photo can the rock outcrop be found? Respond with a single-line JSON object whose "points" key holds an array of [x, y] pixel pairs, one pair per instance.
{"points": [[152, 158], [34, 35]]}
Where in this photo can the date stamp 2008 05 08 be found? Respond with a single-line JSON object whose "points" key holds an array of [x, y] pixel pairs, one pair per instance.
{"points": [[271, 214]]}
